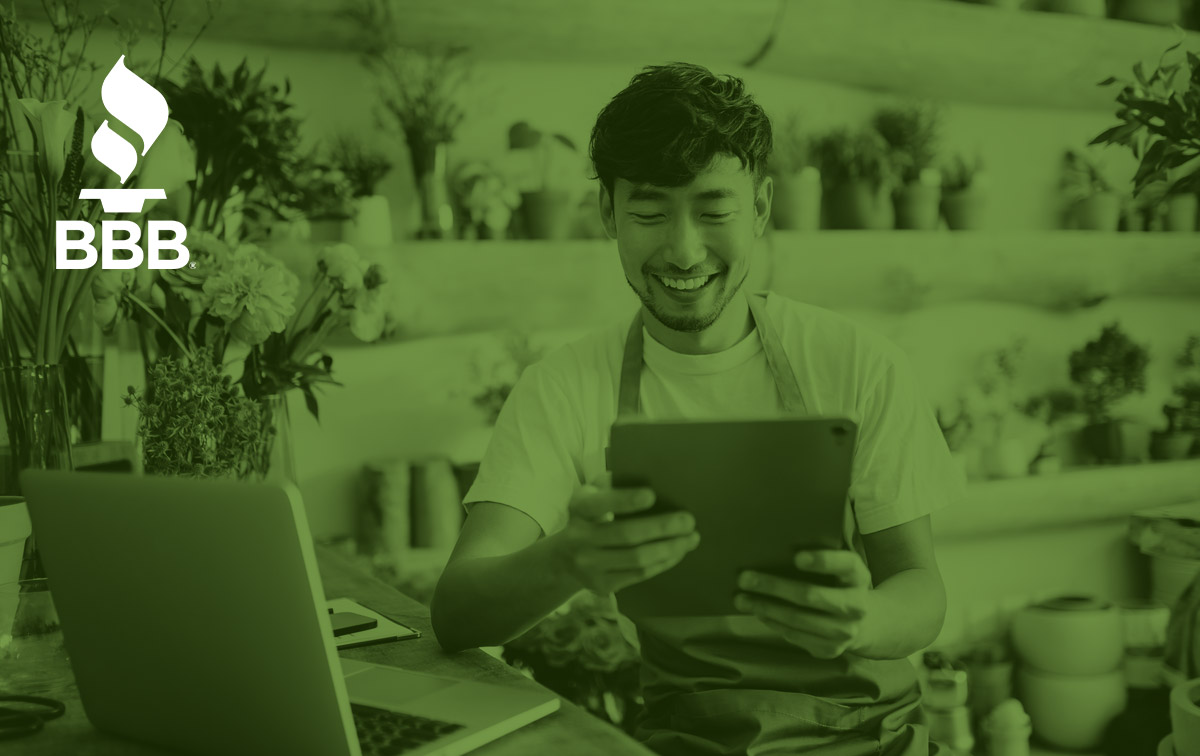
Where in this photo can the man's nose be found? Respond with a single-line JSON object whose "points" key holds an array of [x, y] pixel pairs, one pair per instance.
{"points": [[685, 247]]}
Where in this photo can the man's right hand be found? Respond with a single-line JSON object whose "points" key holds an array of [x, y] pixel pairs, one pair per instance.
{"points": [[606, 555]]}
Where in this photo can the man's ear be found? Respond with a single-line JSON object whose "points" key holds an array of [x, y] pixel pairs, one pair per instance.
{"points": [[762, 205], [606, 212]]}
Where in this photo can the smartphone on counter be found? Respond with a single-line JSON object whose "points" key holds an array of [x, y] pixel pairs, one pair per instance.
{"points": [[345, 623]]}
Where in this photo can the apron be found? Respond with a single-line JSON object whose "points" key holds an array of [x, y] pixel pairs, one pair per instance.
{"points": [[720, 686]]}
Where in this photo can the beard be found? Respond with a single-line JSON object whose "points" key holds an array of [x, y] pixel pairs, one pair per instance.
{"points": [[692, 323]]}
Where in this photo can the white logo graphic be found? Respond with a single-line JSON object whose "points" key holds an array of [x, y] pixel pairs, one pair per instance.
{"points": [[139, 106]]}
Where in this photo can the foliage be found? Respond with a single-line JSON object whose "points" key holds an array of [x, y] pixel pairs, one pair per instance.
{"points": [[363, 166], [1107, 369], [793, 149], [485, 196], [959, 173], [1083, 177], [580, 653], [1160, 123], [419, 89], [317, 190], [520, 354], [195, 422], [244, 135], [860, 155], [1183, 409], [912, 133]]}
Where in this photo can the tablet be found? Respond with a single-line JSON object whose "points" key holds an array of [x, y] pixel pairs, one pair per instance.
{"points": [[759, 489]]}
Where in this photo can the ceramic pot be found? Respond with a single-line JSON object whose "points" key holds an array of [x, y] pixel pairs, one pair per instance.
{"points": [[1093, 8], [1161, 12], [1180, 216], [1071, 711], [1116, 441], [547, 214], [14, 530], [371, 225], [1099, 212], [963, 209], [796, 205], [859, 205], [1171, 445], [1185, 717], [1071, 635], [917, 206]]}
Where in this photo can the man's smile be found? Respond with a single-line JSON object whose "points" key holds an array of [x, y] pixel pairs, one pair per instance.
{"points": [[684, 287]]}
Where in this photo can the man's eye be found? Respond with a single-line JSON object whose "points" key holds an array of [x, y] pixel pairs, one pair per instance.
{"points": [[717, 216], [646, 218]]}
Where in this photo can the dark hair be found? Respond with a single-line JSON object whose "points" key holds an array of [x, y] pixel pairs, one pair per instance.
{"points": [[671, 121]]}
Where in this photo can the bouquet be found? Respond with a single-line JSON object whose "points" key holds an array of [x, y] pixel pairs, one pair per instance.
{"points": [[580, 653]]}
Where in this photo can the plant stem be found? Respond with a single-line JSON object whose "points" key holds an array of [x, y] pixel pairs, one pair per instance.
{"points": [[146, 308]]}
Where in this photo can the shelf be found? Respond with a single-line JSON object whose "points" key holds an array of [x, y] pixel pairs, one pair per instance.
{"points": [[963, 52], [458, 287], [936, 49], [1069, 498]]}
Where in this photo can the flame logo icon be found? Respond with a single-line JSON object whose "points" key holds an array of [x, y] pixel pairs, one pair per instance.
{"points": [[136, 104]]}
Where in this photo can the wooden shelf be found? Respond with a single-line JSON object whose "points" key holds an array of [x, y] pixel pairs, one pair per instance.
{"points": [[936, 49], [1069, 498], [458, 287]]}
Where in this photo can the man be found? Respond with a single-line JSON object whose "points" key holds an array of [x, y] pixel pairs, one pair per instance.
{"points": [[797, 667]]}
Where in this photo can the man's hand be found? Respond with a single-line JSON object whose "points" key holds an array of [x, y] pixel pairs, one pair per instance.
{"points": [[825, 621], [606, 555]]}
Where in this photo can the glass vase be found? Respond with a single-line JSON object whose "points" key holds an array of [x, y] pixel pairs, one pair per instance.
{"points": [[277, 459], [33, 659], [36, 413], [429, 171]]}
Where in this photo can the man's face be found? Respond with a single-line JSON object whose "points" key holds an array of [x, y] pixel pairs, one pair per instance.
{"points": [[686, 250]]}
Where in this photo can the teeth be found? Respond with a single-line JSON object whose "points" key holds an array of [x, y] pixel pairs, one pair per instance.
{"points": [[684, 284]]}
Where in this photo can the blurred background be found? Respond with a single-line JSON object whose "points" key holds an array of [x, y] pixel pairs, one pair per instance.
{"points": [[399, 194]]}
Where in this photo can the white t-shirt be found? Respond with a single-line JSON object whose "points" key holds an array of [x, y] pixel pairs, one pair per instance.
{"points": [[552, 432]]}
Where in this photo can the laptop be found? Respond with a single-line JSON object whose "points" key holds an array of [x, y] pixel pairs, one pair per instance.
{"points": [[195, 620]]}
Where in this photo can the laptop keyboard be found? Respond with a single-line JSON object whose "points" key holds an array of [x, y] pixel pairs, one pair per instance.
{"points": [[388, 733]]}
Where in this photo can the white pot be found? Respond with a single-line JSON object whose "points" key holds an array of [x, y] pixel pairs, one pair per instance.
{"points": [[1071, 711], [1070, 636], [14, 530], [371, 225], [1185, 717], [1170, 576]]}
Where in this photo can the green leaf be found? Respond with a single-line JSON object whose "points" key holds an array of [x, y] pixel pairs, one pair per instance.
{"points": [[1108, 81]]}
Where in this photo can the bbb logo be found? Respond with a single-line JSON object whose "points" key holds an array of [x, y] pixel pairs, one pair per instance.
{"points": [[142, 108]]}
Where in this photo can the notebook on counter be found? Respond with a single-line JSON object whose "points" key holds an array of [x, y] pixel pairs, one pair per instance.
{"points": [[385, 631]]}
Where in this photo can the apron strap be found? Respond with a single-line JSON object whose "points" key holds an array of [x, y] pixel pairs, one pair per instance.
{"points": [[781, 369], [629, 393]]}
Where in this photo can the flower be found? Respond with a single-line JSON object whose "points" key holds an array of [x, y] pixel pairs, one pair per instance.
{"points": [[52, 124], [368, 315], [208, 254], [254, 294], [343, 265], [604, 650], [171, 161]]}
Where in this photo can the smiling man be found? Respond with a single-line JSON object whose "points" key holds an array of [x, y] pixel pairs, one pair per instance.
{"points": [[796, 667]]}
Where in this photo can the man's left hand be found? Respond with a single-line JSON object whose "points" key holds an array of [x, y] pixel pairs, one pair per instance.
{"points": [[825, 621]]}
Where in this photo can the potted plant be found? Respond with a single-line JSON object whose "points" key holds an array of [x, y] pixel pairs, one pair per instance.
{"points": [[911, 133], [1108, 369], [1183, 410], [1092, 203], [796, 204], [195, 422], [1059, 410], [547, 171], [244, 137], [486, 201], [319, 194], [1158, 112], [364, 168], [1160, 12], [857, 176], [964, 197]]}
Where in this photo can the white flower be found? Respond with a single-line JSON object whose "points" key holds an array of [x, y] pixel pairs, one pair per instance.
{"points": [[343, 265]]}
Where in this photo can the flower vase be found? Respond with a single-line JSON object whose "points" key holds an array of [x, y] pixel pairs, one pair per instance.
{"points": [[429, 170], [277, 460], [36, 413]]}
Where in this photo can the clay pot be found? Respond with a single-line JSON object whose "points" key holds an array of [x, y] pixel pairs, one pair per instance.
{"points": [[963, 209], [796, 205], [1161, 12], [1171, 445], [917, 206], [859, 205], [1099, 212], [1180, 213]]}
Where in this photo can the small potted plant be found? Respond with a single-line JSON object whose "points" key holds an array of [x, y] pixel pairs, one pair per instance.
{"points": [[1183, 409], [911, 133], [1108, 369], [1158, 112], [364, 168], [485, 201], [1092, 202], [857, 174], [548, 171], [796, 205], [320, 195], [1059, 411], [195, 422], [964, 197]]}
